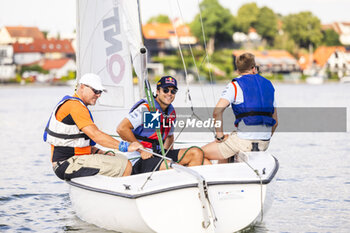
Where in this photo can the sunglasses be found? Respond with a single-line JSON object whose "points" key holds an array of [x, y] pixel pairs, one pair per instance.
{"points": [[257, 68], [166, 90], [97, 92]]}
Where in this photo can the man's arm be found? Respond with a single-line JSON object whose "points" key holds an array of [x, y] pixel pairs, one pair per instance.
{"points": [[274, 116], [218, 115], [169, 141], [104, 139], [124, 130]]}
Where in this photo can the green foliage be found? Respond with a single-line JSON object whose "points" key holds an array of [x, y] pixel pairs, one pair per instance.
{"points": [[71, 76], [304, 28], [247, 16], [330, 38], [36, 68], [285, 42], [218, 22], [159, 19], [221, 61], [266, 24]]}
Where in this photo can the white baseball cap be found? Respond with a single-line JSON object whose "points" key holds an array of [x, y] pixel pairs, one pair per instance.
{"points": [[93, 81]]}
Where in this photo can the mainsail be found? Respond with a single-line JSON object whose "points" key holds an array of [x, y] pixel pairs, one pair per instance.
{"points": [[108, 43]]}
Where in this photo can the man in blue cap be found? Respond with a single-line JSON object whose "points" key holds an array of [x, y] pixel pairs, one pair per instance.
{"points": [[132, 129]]}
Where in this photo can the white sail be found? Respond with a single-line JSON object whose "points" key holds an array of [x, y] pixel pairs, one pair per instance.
{"points": [[108, 37]]}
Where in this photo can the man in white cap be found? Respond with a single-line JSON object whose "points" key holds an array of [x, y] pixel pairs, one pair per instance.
{"points": [[73, 136]]}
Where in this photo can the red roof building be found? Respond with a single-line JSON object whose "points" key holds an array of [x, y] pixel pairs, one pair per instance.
{"points": [[45, 46], [10, 35]]}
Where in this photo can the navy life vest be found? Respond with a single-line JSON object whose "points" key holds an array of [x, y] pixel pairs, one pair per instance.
{"points": [[258, 94], [148, 137]]}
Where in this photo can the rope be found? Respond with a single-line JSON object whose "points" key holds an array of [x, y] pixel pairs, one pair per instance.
{"points": [[261, 185], [188, 150], [256, 172], [206, 49], [196, 69]]}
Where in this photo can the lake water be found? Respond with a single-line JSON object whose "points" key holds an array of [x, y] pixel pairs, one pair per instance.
{"points": [[312, 187]]}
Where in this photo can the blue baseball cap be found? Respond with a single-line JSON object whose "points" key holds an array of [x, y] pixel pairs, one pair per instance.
{"points": [[167, 81]]}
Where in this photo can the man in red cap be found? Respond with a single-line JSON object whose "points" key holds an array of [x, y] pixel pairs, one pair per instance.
{"points": [[132, 129]]}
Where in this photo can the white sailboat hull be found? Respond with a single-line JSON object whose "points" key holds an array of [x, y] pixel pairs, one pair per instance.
{"points": [[169, 202]]}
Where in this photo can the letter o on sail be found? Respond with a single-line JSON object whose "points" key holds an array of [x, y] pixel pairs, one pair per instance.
{"points": [[116, 68]]}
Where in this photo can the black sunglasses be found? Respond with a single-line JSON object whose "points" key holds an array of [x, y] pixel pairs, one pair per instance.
{"points": [[97, 92], [166, 90], [257, 69]]}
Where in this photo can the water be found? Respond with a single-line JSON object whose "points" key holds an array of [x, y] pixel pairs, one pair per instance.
{"points": [[312, 189]]}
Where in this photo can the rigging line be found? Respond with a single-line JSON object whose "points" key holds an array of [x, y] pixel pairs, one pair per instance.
{"points": [[206, 49], [196, 68], [181, 54], [162, 159], [184, 63], [256, 172]]}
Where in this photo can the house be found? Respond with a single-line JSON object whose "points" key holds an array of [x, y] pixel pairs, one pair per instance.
{"points": [[20, 34], [162, 38], [7, 68], [42, 49], [6, 54], [249, 41], [343, 30], [58, 67], [272, 61], [7, 72], [325, 59]]}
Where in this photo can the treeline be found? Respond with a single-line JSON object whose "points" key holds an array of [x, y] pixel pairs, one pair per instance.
{"points": [[291, 32]]}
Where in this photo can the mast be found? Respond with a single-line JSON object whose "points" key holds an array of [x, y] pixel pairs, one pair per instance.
{"points": [[77, 38], [142, 93], [147, 87]]}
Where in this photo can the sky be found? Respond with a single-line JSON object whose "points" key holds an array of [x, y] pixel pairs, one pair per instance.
{"points": [[59, 15]]}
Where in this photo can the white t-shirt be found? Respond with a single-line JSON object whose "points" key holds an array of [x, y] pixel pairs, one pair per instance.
{"points": [[251, 132], [136, 117]]}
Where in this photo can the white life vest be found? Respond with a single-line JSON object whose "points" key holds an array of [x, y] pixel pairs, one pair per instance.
{"points": [[60, 134]]}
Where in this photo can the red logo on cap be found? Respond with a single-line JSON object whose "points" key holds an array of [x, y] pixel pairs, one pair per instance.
{"points": [[170, 80]]}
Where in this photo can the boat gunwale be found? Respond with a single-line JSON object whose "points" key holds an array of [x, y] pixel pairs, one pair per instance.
{"points": [[210, 183]]}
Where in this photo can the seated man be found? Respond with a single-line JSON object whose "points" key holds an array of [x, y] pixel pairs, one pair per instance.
{"points": [[252, 100], [132, 129], [72, 135]]}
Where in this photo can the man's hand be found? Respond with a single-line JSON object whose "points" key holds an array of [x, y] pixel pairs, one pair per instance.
{"points": [[145, 155], [222, 140], [134, 146]]}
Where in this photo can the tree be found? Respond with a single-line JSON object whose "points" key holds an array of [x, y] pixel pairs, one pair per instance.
{"points": [[330, 37], [304, 28], [218, 24], [284, 42], [247, 16], [266, 24], [159, 19]]}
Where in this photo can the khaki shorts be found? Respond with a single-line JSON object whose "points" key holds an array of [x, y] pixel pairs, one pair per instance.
{"points": [[108, 165], [233, 145]]}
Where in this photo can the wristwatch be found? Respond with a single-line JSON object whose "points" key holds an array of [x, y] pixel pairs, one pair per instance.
{"points": [[220, 139]]}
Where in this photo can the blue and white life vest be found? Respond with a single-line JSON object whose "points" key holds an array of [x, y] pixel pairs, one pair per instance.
{"points": [[258, 94], [58, 133], [148, 137]]}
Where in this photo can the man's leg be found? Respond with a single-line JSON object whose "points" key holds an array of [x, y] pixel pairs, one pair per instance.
{"points": [[188, 157], [212, 152], [114, 166]]}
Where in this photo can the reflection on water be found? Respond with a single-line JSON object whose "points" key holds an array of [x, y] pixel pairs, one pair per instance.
{"points": [[312, 192]]}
